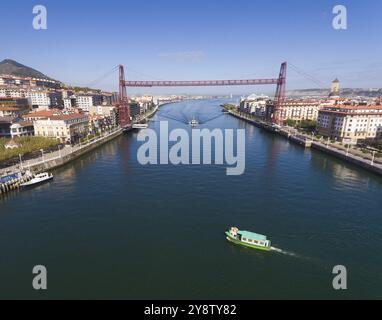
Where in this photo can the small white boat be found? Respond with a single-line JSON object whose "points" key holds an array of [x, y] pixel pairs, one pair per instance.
{"points": [[194, 123], [39, 178]]}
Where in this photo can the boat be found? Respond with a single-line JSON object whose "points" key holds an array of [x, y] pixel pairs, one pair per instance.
{"points": [[38, 179], [194, 123], [248, 239]]}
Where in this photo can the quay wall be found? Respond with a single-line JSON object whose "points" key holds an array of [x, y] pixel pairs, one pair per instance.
{"points": [[361, 162], [366, 164]]}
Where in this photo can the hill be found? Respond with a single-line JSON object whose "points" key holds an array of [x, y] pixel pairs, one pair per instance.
{"points": [[11, 67]]}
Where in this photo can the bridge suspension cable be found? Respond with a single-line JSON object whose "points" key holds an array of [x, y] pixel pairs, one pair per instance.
{"points": [[103, 77], [308, 76]]}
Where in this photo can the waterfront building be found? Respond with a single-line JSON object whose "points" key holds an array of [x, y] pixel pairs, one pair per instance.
{"points": [[22, 129], [68, 128], [255, 105], [299, 110], [108, 112], [350, 124]]}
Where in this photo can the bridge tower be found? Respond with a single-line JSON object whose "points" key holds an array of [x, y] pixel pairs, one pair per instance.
{"points": [[280, 94], [124, 117]]}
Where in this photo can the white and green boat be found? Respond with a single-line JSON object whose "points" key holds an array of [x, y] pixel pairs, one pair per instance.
{"points": [[248, 239]]}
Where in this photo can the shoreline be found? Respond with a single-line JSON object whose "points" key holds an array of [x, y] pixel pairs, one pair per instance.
{"points": [[60, 158], [310, 143]]}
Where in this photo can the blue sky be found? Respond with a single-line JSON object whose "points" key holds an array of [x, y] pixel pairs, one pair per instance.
{"points": [[196, 39]]}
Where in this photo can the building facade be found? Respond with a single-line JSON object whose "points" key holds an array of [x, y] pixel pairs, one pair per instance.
{"points": [[68, 128], [255, 105], [84, 102], [299, 110], [350, 124], [22, 129]]}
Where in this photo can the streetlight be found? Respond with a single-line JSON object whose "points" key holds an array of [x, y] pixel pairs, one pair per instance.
{"points": [[42, 154], [21, 162], [372, 160]]}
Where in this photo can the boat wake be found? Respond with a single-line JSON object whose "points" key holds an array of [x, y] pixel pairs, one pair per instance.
{"points": [[287, 253]]}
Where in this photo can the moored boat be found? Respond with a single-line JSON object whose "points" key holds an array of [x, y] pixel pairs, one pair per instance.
{"points": [[248, 239], [194, 123], [38, 179]]}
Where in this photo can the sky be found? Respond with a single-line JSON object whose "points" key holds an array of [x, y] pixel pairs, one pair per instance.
{"points": [[196, 40]]}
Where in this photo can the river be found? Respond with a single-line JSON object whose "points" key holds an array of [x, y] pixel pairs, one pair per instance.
{"points": [[108, 227]]}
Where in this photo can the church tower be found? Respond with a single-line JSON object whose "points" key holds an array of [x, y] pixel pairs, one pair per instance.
{"points": [[335, 92]]}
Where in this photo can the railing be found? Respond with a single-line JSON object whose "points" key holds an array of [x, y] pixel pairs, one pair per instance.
{"points": [[56, 155]]}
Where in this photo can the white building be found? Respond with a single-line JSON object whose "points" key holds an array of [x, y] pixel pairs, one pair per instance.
{"points": [[22, 129], [8, 92], [350, 124], [69, 128], [39, 99], [254, 104], [84, 102], [299, 110]]}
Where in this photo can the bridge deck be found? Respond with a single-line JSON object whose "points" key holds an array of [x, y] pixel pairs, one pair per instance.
{"points": [[203, 83]]}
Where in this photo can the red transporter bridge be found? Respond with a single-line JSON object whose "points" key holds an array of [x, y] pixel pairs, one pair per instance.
{"points": [[124, 109]]}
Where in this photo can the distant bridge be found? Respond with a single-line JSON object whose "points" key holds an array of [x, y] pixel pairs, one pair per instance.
{"points": [[124, 109]]}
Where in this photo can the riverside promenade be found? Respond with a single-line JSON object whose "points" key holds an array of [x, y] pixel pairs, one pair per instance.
{"points": [[60, 157], [351, 155], [52, 160]]}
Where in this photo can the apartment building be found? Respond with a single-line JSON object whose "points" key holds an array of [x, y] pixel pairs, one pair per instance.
{"points": [[9, 80], [9, 112], [299, 110], [84, 102], [39, 100], [13, 92], [22, 129], [108, 112], [350, 124], [68, 128], [255, 105]]}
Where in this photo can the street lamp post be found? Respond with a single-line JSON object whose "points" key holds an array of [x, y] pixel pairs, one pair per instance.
{"points": [[42, 154], [372, 160], [21, 162]]}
